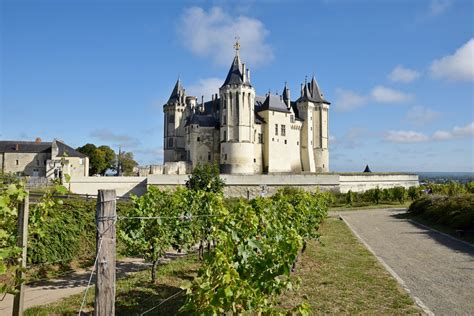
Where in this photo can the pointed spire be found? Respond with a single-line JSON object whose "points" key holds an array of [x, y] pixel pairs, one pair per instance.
{"points": [[178, 92], [367, 169]]}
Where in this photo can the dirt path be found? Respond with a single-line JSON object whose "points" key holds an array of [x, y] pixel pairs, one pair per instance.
{"points": [[45, 292], [437, 269]]}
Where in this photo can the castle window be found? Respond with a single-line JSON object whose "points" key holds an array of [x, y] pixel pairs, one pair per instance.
{"points": [[225, 135], [276, 129], [283, 130], [255, 160], [199, 139], [17, 162], [209, 156], [225, 156], [292, 118], [170, 142], [285, 141], [45, 162], [260, 138], [297, 143]]}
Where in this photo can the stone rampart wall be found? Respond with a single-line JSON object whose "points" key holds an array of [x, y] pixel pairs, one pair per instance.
{"points": [[250, 186]]}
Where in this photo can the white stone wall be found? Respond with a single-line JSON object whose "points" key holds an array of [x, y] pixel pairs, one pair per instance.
{"points": [[367, 181], [281, 152], [124, 186], [253, 185]]}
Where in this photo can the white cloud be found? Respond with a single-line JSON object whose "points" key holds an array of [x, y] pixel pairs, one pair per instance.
{"points": [[387, 95], [458, 66], [402, 74], [440, 135], [456, 132], [206, 87], [348, 100], [438, 7], [108, 136], [405, 137], [419, 115], [212, 34]]}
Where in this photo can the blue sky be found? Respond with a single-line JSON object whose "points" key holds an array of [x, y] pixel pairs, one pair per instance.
{"points": [[399, 74]]}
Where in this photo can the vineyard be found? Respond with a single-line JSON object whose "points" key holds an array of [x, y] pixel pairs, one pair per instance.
{"points": [[248, 248]]}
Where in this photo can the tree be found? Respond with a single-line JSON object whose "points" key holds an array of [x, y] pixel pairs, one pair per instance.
{"points": [[206, 178], [127, 163], [110, 157], [100, 158]]}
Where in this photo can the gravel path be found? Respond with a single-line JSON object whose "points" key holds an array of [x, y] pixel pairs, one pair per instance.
{"points": [[45, 292], [437, 269]]}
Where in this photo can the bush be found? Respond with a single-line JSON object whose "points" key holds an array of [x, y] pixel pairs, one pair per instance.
{"points": [[206, 178], [456, 212]]}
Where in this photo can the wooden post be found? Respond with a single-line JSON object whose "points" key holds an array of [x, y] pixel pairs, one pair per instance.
{"points": [[105, 284], [22, 237]]}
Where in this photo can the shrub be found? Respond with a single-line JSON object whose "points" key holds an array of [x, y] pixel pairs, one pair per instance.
{"points": [[206, 178], [456, 212]]}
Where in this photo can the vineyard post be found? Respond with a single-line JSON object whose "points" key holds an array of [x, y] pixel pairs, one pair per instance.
{"points": [[23, 211], [106, 217]]}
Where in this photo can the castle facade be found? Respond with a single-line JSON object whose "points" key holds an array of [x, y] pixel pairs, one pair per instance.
{"points": [[245, 133]]}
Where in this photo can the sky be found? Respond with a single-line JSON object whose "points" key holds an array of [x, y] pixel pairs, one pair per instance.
{"points": [[399, 74]]}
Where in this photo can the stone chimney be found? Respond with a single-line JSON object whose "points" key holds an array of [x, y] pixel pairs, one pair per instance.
{"points": [[17, 147]]}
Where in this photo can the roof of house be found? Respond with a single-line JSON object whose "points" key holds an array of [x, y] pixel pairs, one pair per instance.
{"points": [[274, 103], [68, 150], [10, 146], [13, 146], [204, 120]]}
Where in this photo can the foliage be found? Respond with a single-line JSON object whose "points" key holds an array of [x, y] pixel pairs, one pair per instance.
{"points": [[206, 177], [257, 244], [174, 224], [456, 212], [127, 163], [100, 158], [10, 198]]}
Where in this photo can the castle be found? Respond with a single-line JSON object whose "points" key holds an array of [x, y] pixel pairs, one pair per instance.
{"points": [[245, 133]]}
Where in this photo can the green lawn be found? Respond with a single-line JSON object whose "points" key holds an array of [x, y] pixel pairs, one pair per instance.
{"points": [[338, 276]]}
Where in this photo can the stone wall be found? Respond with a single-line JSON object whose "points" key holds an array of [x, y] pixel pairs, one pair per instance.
{"points": [[366, 181], [250, 186], [123, 185]]}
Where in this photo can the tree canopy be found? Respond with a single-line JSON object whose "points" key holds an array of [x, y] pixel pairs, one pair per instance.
{"points": [[101, 158]]}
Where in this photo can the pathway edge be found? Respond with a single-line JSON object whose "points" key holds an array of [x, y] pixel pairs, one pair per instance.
{"points": [[400, 281]]}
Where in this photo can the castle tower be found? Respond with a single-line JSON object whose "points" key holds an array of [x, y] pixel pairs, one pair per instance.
{"points": [[313, 108], [237, 119], [320, 127], [174, 142]]}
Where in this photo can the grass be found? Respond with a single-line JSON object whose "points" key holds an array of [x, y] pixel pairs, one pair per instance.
{"points": [[339, 276], [369, 206], [135, 294]]}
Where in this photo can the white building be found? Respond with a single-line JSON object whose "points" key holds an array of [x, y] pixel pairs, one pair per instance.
{"points": [[245, 133]]}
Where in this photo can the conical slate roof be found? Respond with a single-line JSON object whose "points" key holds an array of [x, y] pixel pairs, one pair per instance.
{"points": [[367, 169], [312, 92], [285, 92], [235, 75], [178, 90]]}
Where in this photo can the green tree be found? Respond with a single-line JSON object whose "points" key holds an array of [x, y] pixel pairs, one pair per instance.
{"points": [[127, 163], [109, 156], [206, 178], [100, 158]]}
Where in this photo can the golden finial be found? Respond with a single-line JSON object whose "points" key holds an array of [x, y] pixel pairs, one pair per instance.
{"points": [[237, 45]]}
